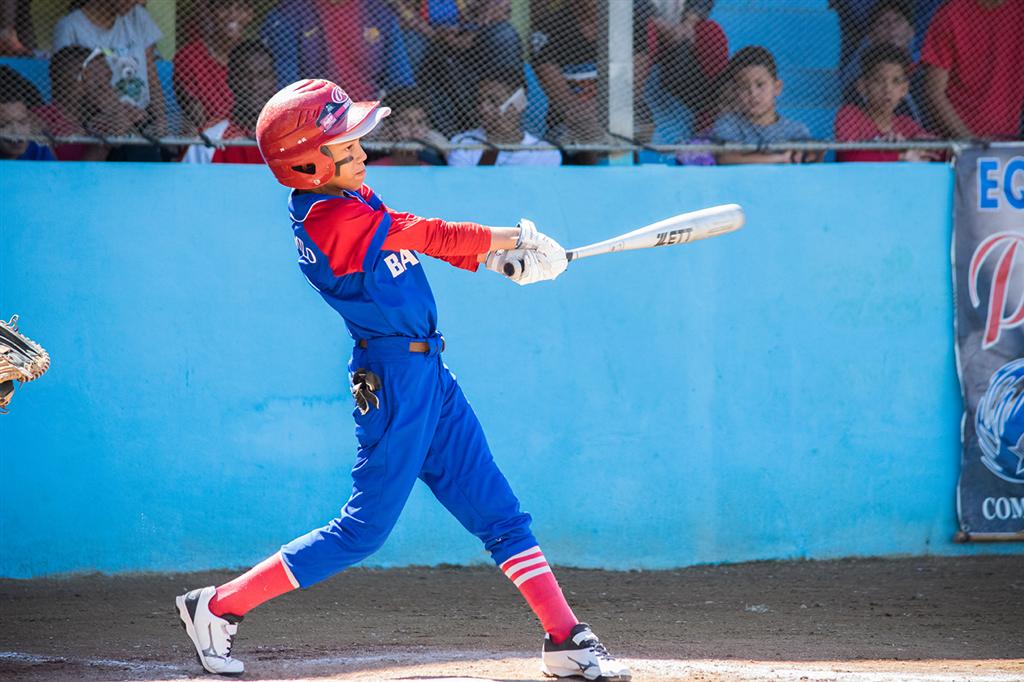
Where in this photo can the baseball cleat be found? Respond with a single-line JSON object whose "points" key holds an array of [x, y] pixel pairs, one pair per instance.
{"points": [[581, 655], [210, 634]]}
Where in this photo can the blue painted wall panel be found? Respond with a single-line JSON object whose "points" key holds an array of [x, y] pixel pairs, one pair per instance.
{"points": [[787, 391]]}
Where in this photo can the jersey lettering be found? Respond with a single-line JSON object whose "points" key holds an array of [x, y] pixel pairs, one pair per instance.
{"points": [[306, 255], [397, 262]]}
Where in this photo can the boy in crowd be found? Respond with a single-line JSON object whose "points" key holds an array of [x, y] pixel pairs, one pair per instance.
{"points": [[85, 103], [127, 35], [73, 76], [16, 120], [754, 79], [412, 419], [501, 100], [882, 86], [890, 22], [410, 123], [201, 65], [252, 81]]}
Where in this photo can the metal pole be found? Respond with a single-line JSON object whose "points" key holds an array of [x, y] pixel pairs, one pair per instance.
{"points": [[616, 71]]}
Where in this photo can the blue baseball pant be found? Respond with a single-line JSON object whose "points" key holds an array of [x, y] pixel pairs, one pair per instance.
{"points": [[424, 428]]}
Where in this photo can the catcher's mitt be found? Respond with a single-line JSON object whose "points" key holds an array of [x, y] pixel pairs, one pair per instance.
{"points": [[21, 359]]}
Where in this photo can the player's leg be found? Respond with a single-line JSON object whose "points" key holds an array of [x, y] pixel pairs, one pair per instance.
{"points": [[462, 474], [393, 440]]}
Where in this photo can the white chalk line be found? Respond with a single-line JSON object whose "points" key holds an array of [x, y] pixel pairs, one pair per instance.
{"points": [[134, 666], [759, 670], [749, 670]]}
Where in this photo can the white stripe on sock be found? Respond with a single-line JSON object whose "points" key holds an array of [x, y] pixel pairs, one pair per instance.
{"points": [[532, 550], [531, 574], [523, 564]]}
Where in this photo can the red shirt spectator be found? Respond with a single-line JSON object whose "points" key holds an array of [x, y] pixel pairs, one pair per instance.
{"points": [[711, 47], [975, 86], [252, 79], [854, 125], [201, 65], [349, 37], [204, 79]]}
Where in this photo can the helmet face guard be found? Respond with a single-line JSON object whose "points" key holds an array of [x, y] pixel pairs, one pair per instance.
{"points": [[299, 122]]}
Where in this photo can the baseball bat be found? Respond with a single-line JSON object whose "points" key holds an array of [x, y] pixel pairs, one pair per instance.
{"points": [[679, 229]]}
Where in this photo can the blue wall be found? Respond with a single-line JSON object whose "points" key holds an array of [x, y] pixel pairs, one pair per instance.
{"points": [[786, 391]]}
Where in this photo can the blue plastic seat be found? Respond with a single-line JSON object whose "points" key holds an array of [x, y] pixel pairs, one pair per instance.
{"points": [[673, 120], [796, 37], [36, 71], [809, 87], [165, 71], [772, 4], [818, 119]]}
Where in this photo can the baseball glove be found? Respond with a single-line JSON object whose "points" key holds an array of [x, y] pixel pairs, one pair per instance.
{"points": [[21, 359]]}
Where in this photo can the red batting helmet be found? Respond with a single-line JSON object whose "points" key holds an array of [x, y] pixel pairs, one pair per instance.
{"points": [[299, 121]]}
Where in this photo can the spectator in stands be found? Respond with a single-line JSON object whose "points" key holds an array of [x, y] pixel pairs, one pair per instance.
{"points": [[690, 51], [409, 122], [127, 35], [252, 81], [854, 22], [883, 84], [754, 77], [501, 100], [16, 35], [685, 26], [16, 95], [565, 59], [85, 103], [889, 23], [356, 44], [201, 65], [464, 43], [73, 79], [457, 24], [973, 83]]}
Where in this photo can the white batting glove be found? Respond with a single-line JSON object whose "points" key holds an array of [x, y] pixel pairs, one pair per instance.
{"points": [[533, 239], [524, 266]]}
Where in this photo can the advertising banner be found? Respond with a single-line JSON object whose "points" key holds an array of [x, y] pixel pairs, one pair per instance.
{"points": [[988, 272]]}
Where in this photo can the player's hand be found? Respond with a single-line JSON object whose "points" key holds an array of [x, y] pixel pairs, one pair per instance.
{"points": [[526, 266], [530, 238]]}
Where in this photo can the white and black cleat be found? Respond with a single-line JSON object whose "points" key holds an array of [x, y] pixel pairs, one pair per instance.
{"points": [[582, 655], [210, 634]]}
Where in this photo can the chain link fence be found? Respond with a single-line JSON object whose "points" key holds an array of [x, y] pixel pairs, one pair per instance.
{"points": [[519, 81]]}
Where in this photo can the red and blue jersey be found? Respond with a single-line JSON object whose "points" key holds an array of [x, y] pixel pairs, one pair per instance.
{"points": [[363, 258]]}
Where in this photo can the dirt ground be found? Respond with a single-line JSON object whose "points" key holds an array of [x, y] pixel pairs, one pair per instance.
{"points": [[934, 619]]}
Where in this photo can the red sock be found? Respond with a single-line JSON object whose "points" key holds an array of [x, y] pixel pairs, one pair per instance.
{"points": [[264, 581], [529, 571]]}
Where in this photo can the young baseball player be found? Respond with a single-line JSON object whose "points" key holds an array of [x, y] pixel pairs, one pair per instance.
{"points": [[412, 419]]}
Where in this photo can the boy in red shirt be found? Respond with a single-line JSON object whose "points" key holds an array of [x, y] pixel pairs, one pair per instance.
{"points": [[882, 86], [252, 81]]}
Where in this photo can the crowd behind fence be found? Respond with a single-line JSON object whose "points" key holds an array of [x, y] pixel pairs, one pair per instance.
{"points": [[493, 82]]}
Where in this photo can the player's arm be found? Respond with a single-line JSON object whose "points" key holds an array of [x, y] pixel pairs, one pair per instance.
{"points": [[443, 239], [467, 245]]}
